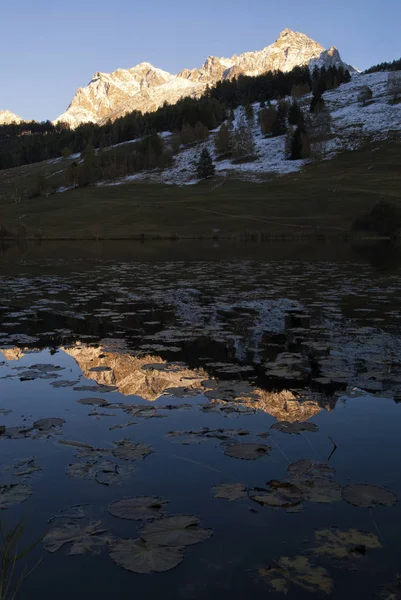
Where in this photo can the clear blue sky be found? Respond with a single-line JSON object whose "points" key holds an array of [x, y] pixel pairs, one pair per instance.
{"points": [[49, 48]]}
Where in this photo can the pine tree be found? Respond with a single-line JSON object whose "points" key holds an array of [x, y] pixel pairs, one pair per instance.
{"points": [[205, 167], [201, 132], [347, 77], [267, 118], [249, 114], [187, 134], [89, 171], [296, 146], [244, 145], [223, 141], [280, 123], [295, 114], [317, 103], [300, 145], [365, 95]]}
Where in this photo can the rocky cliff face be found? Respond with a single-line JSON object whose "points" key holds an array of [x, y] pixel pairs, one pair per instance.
{"points": [[146, 88], [7, 117], [147, 376]]}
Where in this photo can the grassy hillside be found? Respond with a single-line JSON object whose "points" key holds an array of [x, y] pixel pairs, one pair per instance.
{"points": [[323, 198]]}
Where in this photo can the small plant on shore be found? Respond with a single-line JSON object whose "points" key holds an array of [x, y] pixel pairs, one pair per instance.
{"points": [[11, 556]]}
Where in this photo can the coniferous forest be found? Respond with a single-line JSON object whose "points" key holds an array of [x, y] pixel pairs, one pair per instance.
{"points": [[30, 142]]}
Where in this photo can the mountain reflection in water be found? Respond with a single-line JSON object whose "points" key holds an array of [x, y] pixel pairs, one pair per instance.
{"points": [[219, 430]]}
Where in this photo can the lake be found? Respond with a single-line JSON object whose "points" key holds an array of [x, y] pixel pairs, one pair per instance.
{"points": [[204, 419]]}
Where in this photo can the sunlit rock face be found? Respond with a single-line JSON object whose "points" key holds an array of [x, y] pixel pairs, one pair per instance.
{"points": [[286, 406], [146, 88], [13, 353], [148, 376], [7, 117]]}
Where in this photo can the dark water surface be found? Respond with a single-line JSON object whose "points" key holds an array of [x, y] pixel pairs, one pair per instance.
{"points": [[193, 351]]}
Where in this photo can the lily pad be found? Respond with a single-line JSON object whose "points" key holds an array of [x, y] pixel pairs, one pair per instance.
{"points": [[315, 480], [93, 402], [368, 496], [206, 433], [140, 556], [344, 544], [230, 491], [127, 450], [102, 389], [63, 383], [286, 427], [17, 433], [298, 572], [178, 530], [105, 472], [83, 540], [278, 495], [247, 451], [138, 508], [13, 494], [88, 470], [47, 424], [26, 466]]}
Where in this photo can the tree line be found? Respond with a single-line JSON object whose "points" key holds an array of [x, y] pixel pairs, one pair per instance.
{"points": [[395, 65], [30, 142]]}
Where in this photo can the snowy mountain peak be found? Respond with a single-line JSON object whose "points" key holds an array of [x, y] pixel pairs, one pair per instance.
{"points": [[7, 117], [145, 87]]}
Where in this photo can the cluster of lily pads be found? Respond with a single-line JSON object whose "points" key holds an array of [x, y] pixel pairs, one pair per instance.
{"points": [[160, 544]]}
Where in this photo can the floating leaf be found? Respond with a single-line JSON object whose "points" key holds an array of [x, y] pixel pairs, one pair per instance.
{"points": [[178, 530], [140, 556], [298, 572], [205, 432], [13, 494], [63, 383], [368, 496], [230, 491], [102, 389], [105, 472], [314, 479], [344, 544], [47, 424], [138, 508], [93, 402], [72, 512], [75, 444], [83, 539], [127, 450], [26, 466], [286, 427], [17, 433], [123, 426], [278, 495], [247, 451], [145, 412]]}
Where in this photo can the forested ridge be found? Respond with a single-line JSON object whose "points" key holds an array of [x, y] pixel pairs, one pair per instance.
{"points": [[29, 142]]}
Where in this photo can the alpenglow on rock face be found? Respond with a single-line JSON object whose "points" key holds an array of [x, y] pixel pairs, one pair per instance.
{"points": [[146, 88], [7, 117]]}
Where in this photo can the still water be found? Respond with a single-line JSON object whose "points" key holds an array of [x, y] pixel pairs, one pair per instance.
{"points": [[202, 420]]}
